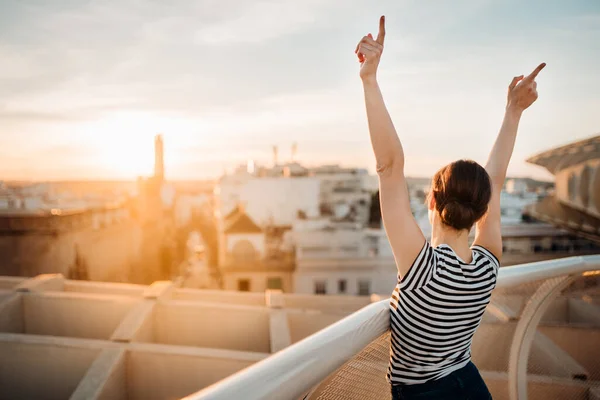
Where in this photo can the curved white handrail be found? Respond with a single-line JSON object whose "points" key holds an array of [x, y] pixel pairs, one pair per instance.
{"points": [[293, 371], [525, 273]]}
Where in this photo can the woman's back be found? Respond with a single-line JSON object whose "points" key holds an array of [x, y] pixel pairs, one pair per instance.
{"points": [[435, 310], [440, 299]]}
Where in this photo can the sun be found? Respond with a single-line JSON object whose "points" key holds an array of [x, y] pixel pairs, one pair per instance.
{"points": [[132, 156], [124, 141]]}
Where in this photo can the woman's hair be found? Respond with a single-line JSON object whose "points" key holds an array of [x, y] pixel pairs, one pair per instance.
{"points": [[462, 191]]}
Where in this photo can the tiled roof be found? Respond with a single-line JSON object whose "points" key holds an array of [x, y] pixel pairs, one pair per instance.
{"points": [[233, 213], [242, 223], [565, 156]]}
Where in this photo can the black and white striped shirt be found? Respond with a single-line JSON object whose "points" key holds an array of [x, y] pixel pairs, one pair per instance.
{"points": [[435, 309]]}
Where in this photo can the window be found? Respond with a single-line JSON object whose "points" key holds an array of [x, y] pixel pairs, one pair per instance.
{"points": [[244, 285], [342, 286], [274, 283], [349, 249], [315, 252], [320, 287], [364, 288]]}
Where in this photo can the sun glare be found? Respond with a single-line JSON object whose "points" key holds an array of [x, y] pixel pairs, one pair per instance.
{"points": [[124, 142]]}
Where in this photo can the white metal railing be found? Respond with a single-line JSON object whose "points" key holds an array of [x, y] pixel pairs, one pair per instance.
{"points": [[294, 371]]}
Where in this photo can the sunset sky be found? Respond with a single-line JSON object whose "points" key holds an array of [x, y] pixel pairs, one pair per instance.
{"points": [[85, 85]]}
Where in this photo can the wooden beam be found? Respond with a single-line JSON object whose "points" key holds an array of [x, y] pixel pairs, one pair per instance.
{"points": [[105, 379], [279, 330], [557, 361], [274, 298], [159, 290], [133, 322], [502, 312], [11, 314]]}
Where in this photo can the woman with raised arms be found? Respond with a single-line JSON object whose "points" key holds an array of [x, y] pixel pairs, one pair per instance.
{"points": [[444, 284]]}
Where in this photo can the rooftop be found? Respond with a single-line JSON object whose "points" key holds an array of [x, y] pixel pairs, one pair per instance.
{"points": [[577, 222], [565, 156], [61, 338]]}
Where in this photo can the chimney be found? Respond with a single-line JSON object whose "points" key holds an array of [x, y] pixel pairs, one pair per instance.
{"points": [[159, 166], [275, 154], [294, 150]]}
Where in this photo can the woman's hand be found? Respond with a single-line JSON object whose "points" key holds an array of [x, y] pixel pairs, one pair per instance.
{"points": [[369, 52], [522, 92]]}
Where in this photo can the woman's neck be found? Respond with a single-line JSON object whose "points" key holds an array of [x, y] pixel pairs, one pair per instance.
{"points": [[458, 240]]}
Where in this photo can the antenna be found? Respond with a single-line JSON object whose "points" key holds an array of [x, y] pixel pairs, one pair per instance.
{"points": [[294, 150], [275, 155]]}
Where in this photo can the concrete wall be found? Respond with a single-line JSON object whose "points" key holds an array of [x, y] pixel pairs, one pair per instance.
{"points": [[491, 346], [492, 341], [10, 282], [111, 252], [120, 289], [330, 304], [152, 375], [4, 294], [11, 314], [302, 325], [220, 296], [57, 314], [41, 371], [583, 344], [182, 323], [108, 253]]}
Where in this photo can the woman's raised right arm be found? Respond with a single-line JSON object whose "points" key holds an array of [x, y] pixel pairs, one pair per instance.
{"points": [[405, 236]]}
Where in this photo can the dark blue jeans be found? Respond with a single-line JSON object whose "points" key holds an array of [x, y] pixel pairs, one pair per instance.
{"points": [[463, 384]]}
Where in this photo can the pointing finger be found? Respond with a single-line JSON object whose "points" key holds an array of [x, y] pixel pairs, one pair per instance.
{"points": [[514, 82], [381, 34], [536, 72]]}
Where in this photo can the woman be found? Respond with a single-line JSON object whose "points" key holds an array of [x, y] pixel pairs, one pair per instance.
{"points": [[444, 284]]}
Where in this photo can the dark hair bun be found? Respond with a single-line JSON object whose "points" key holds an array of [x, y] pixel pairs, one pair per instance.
{"points": [[457, 215], [462, 191]]}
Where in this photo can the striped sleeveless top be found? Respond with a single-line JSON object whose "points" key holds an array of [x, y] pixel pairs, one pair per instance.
{"points": [[435, 309]]}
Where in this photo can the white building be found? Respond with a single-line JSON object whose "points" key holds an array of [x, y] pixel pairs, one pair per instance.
{"points": [[516, 186], [269, 200], [254, 258], [342, 259], [273, 201]]}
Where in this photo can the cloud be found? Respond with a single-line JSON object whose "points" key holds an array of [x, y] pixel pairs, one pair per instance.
{"points": [[247, 74], [256, 22]]}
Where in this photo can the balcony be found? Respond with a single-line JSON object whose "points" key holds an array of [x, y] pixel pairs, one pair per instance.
{"points": [[538, 340]]}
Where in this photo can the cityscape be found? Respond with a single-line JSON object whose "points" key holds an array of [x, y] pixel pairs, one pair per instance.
{"points": [[283, 250], [206, 200], [284, 226]]}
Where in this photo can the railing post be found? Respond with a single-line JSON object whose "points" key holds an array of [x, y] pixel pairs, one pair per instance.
{"points": [[525, 333]]}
